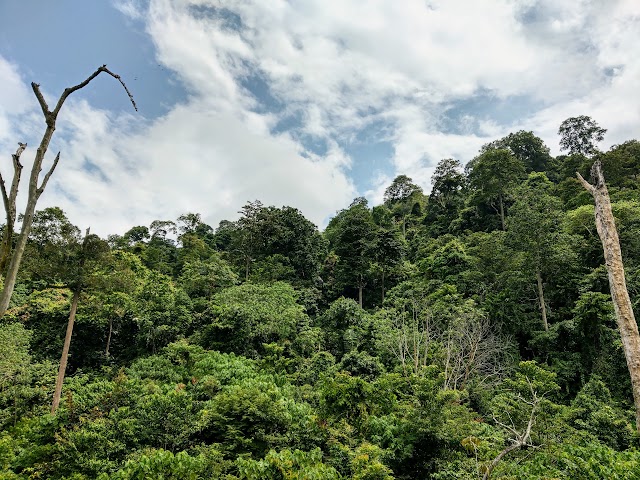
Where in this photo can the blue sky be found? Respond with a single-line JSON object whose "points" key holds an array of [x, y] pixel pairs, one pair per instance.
{"points": [[307, 104]]}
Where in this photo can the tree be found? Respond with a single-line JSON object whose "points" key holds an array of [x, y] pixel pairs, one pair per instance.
{"points": [[608, 233], [72, 317], [247, 316], [351, 235], [388, 250], [35, 190], [527, 147], [245, 239], [10, 206], [534, 229], [493, 175], [447, 181], [516, 409], [402, 197], [53, 242], [446, 198], [579, 135], [400, 190]]}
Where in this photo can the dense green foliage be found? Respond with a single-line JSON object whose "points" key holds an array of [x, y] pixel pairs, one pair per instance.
{"points": [[416, 339]]}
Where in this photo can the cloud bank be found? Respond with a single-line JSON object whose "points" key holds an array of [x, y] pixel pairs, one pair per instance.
{"points": [[280, 93]]}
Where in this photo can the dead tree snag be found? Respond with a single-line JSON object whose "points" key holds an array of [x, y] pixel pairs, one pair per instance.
{"points": [[625, 317], [35, 188]]}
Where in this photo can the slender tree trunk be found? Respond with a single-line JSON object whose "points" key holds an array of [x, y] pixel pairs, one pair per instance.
{"points": [[67, 338], [106, 351], [9, 200], [543, 306], [383, 285], [608, 233], [65, 353], [501, 204], [360, 294]]}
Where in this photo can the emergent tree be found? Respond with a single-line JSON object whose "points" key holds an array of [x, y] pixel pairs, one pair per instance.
{"points": [[625, 317]]}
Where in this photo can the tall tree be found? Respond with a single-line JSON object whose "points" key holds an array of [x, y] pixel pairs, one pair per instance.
{"points": [[527, 147], [35, 186], [446, 198], [608, 233], [402, 197], [351, 236], [534, 229], [493, 175], [580, 135], [76, 287]]}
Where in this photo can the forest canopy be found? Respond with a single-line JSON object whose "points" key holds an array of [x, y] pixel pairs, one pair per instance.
{"points": [[461, 333]]}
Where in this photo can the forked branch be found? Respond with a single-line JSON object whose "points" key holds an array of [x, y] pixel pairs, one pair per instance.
{"points": [[35, 190]]}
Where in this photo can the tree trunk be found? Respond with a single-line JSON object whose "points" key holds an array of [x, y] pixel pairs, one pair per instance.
{"points": [[106, 351], [627, 325], [65, 353], [50, 117], [32, 199], [9, 200], [501, 203], [382, 286], [543, 307], [67, 338], [360, 287]]}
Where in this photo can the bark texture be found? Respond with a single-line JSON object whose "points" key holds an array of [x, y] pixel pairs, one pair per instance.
{"points": [[65, 354], [625, 317], [35, 187], [543, 306], [67, 338], [9, 201]]}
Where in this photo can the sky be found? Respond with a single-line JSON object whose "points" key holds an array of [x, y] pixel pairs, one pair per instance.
{"points": [[306, 103]]}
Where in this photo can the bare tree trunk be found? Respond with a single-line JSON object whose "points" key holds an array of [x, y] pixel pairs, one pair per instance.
{"points": [[543, 306], [383, 285], [9, 200], [627, 325], [67, 338], [65, 353], [360, 287], [106, 351], [501, 203], [34, 190]]}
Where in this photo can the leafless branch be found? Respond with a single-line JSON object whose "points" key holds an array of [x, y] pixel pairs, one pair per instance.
{"points": [[45, 180], [68, 91], [41, 100], [590, 188]]}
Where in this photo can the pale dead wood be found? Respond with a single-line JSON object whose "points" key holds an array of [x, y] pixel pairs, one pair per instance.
{"points": [[606, 227], [35, 190], [46, 178], [9, 201], [520, 438]]}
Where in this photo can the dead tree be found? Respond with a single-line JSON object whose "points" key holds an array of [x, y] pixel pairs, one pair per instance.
{"points": [[605, 224], [521, 438], [35, 187], [9, 201]]}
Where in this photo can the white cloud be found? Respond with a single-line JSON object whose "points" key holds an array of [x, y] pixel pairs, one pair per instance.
{"points": [[340, 70], [192, 160], [14, 100], [353, 64]]}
